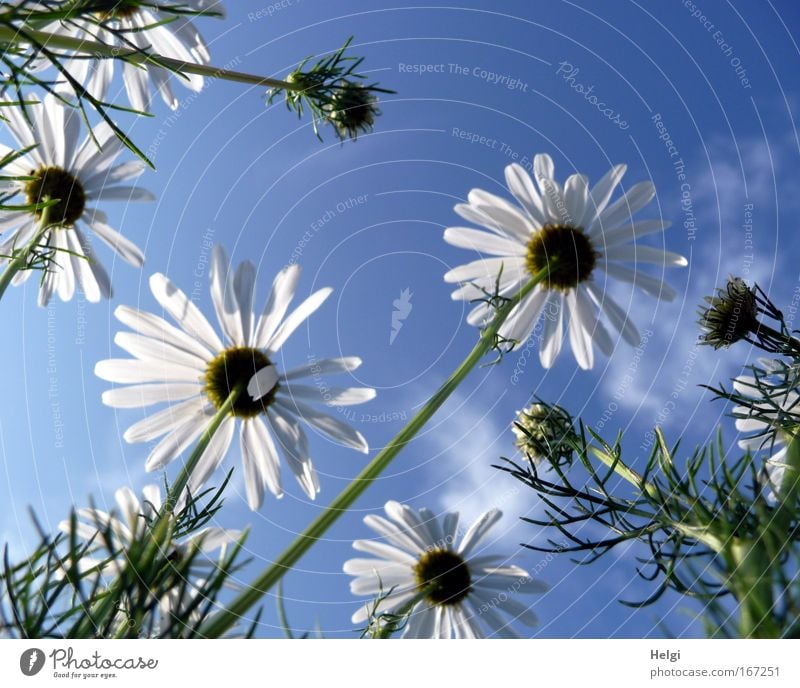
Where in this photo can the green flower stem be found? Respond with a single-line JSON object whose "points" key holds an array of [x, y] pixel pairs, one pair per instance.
{"points": [[89, 48], [751, 582], [789, 489], [181, 481], [161, 530], [229, 616], [20, 260], [624, 471], [386, 628], [771, 332]]}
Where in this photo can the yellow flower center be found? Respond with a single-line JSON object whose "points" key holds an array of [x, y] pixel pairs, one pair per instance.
{"points": [[232, 367], [55, 183], [568, 252], [444, 576], [115, 9]]}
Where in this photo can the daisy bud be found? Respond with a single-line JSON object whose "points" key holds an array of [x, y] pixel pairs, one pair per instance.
{"points": [[543, 433], [353, 110], [731, 315]]}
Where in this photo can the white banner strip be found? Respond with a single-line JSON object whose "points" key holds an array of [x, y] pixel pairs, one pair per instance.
{"points": [[346, 663]]}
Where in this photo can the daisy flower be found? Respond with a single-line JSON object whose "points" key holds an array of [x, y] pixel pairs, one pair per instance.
{"points": [[127, 526], [577, 232], [131, 25], [78, 176], [775, 409], [193, 372], [452, 587]]}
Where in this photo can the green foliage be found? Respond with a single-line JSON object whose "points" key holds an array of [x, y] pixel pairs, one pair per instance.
{"points": [[156, 585]]}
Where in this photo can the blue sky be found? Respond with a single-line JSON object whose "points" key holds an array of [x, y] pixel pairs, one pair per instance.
{"points": [[367, 218]]}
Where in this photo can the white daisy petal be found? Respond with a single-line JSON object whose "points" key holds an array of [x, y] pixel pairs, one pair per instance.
{"points": [[175, 442], [295, 449], [489, 613], [213, 455], [125, 248], [125, 371], [553, 198], [151, 499], [522, 319], [618, 317], [154, 327], [421, 622], [324, 366], [140, 396], [579, 333], [296, 318], [165, 420], [98, 154], [596, 329], [254, 480], [389, 604], [224, 296], [510, 221], [601, 193], [631, 203], [119, 173], [89, 274], [183, 311], [244, 282], [553, 330], [266, 455], [404, 539], [484, 242], [576, 195], [330, 396], [521, 186], [393, 577], [409, 519], [47, 288], [487, 270], [443, 627], [131, 194], [62, 264], [502, 578], [465, 624], [646, 254], [135, 78], [519, 611], [147, 348], [543, 166], [385, 551], [283, 289], [334, 428], [649, 285], [478, 530], [212, 538], [620, 235]]}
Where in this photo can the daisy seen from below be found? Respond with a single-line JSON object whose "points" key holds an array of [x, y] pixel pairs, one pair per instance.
{"points": [[573, 231], [448, 586], [770, 419], [77, 176], [128, 524], [147, 27], [191, 370]]}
